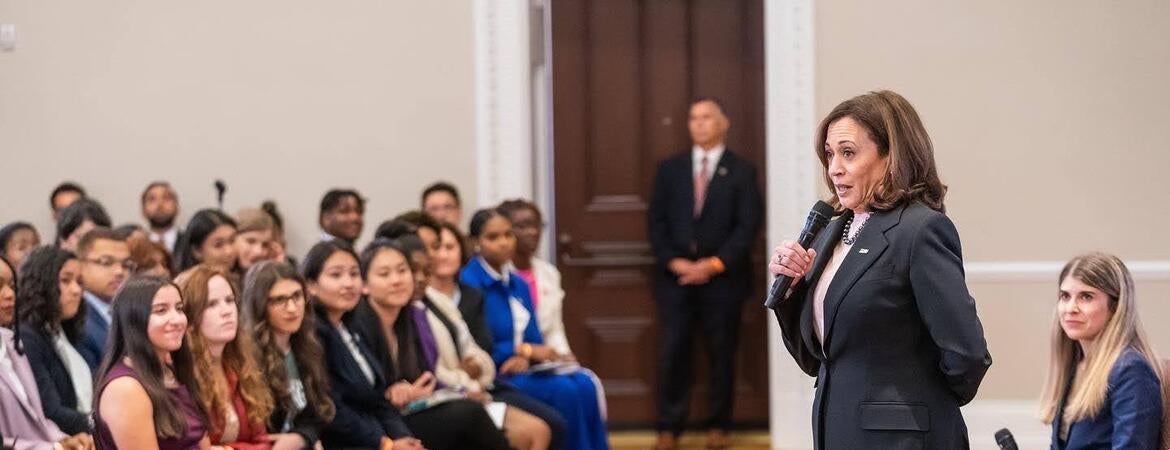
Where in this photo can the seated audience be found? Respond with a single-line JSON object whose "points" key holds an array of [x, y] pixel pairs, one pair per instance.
{"points": [[150, 258], [209, 238], [64, 195], [1104, 387], [279, 245], [341, 215], [404, 347], [7, 295], [146, 396], [160, 208], [276, 311], [53, 321], [517, 343], [543, 278], [232, 390], [253, 237], [77, 219], [364, 418], [22, 424], [441, 201], [105, 264], [17, 239]]}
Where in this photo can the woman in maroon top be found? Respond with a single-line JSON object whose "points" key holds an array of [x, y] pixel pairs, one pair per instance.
{"points": [[232, 388], [144, 400]]}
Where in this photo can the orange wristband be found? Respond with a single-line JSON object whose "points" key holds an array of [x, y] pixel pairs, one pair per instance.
{"points": [[716, 264]]}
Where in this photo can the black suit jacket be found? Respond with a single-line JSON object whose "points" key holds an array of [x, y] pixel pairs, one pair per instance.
{"points": [[726, 226], [58, 399], [471, 308], [903, 346], [364, 415]]}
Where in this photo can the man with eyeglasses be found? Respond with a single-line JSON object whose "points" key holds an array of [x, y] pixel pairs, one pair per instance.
{"points": [[105, 264]]}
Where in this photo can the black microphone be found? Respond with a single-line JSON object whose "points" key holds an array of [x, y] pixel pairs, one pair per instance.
{"points": [[1005, 440], [220, 188], [820, 216]]}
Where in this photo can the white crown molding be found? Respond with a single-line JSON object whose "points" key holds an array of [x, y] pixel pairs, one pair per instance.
{"points": [[1043, 271]]}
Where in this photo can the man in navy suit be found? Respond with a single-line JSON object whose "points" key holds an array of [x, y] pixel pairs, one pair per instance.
{"points": [[703, 219], [105, 264]]}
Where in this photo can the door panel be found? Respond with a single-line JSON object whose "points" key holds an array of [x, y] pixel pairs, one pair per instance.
{"points": [[624, 73]]}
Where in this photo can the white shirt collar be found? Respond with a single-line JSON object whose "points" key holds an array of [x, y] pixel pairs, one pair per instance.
{"points": [[713, 155], [166, 238], [492, 272]]}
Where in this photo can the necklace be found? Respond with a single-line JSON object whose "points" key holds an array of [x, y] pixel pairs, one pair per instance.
{"points": [[845, 236]]}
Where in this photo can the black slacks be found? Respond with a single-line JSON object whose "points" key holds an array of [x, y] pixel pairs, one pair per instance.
{"points": [[456, 425], [710, 312]]}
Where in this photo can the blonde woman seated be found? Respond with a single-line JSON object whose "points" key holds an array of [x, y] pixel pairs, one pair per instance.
{"points": [[1104, 381]]}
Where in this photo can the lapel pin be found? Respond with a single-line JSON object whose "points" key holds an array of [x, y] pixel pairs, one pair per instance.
{"points": [[863, 251], [722, 171]]}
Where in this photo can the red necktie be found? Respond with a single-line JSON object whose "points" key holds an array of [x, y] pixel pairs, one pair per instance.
{"points": [[701, 186]]}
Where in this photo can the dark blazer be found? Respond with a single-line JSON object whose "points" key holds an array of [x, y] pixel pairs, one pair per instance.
{"points": [[93, 342], [903, 346], [364, 415], [471, 308], [726, 227], [58, 399], [305, 423], [1132, 415]]}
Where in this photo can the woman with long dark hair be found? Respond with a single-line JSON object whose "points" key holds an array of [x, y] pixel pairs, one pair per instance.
{"points": [[231, 387], [364, 417], [209, 238], [276, 312], [404, 345], [146, 397], [23, 426], [53, 318]]}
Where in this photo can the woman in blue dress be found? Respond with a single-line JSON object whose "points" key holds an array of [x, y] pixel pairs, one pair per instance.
{"points": [[516, 341]]}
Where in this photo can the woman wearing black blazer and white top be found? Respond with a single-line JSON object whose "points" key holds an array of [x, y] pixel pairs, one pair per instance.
{"points": [[881, 314]]}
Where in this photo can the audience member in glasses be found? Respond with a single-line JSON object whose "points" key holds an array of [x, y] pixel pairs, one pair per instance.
{"points": [[105, 264]]}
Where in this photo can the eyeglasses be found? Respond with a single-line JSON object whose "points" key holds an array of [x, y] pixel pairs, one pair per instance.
{"points": [[108, 263], [282, 301]]}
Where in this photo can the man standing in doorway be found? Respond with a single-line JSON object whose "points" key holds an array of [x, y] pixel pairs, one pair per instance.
{"points": [[703, 219]]}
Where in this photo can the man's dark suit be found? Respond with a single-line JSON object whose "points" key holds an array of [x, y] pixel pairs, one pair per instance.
{"points": [[903, 346], [725, 228]]}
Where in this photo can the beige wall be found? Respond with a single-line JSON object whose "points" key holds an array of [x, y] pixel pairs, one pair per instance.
{"points": [[280, 99], [1047, 119]]}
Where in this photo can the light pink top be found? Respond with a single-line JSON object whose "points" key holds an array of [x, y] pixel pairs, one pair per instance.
{"points": [[822, 287]]}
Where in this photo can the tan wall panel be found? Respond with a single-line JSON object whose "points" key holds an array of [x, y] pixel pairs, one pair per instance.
{"points": [[281, 99], [1044, 114], [1017, 319]]}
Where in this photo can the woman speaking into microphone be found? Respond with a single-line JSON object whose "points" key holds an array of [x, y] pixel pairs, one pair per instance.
{"points": [[880, 312]]}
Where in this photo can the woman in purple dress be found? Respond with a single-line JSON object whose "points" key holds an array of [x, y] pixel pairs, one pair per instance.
{"points": [[145, 399]]}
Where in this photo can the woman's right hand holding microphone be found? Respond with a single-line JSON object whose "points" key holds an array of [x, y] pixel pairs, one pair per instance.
{"points": [[791, 260]]}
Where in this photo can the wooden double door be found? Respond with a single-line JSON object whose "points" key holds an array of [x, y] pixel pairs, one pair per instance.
{"points": [[624, 72]]}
